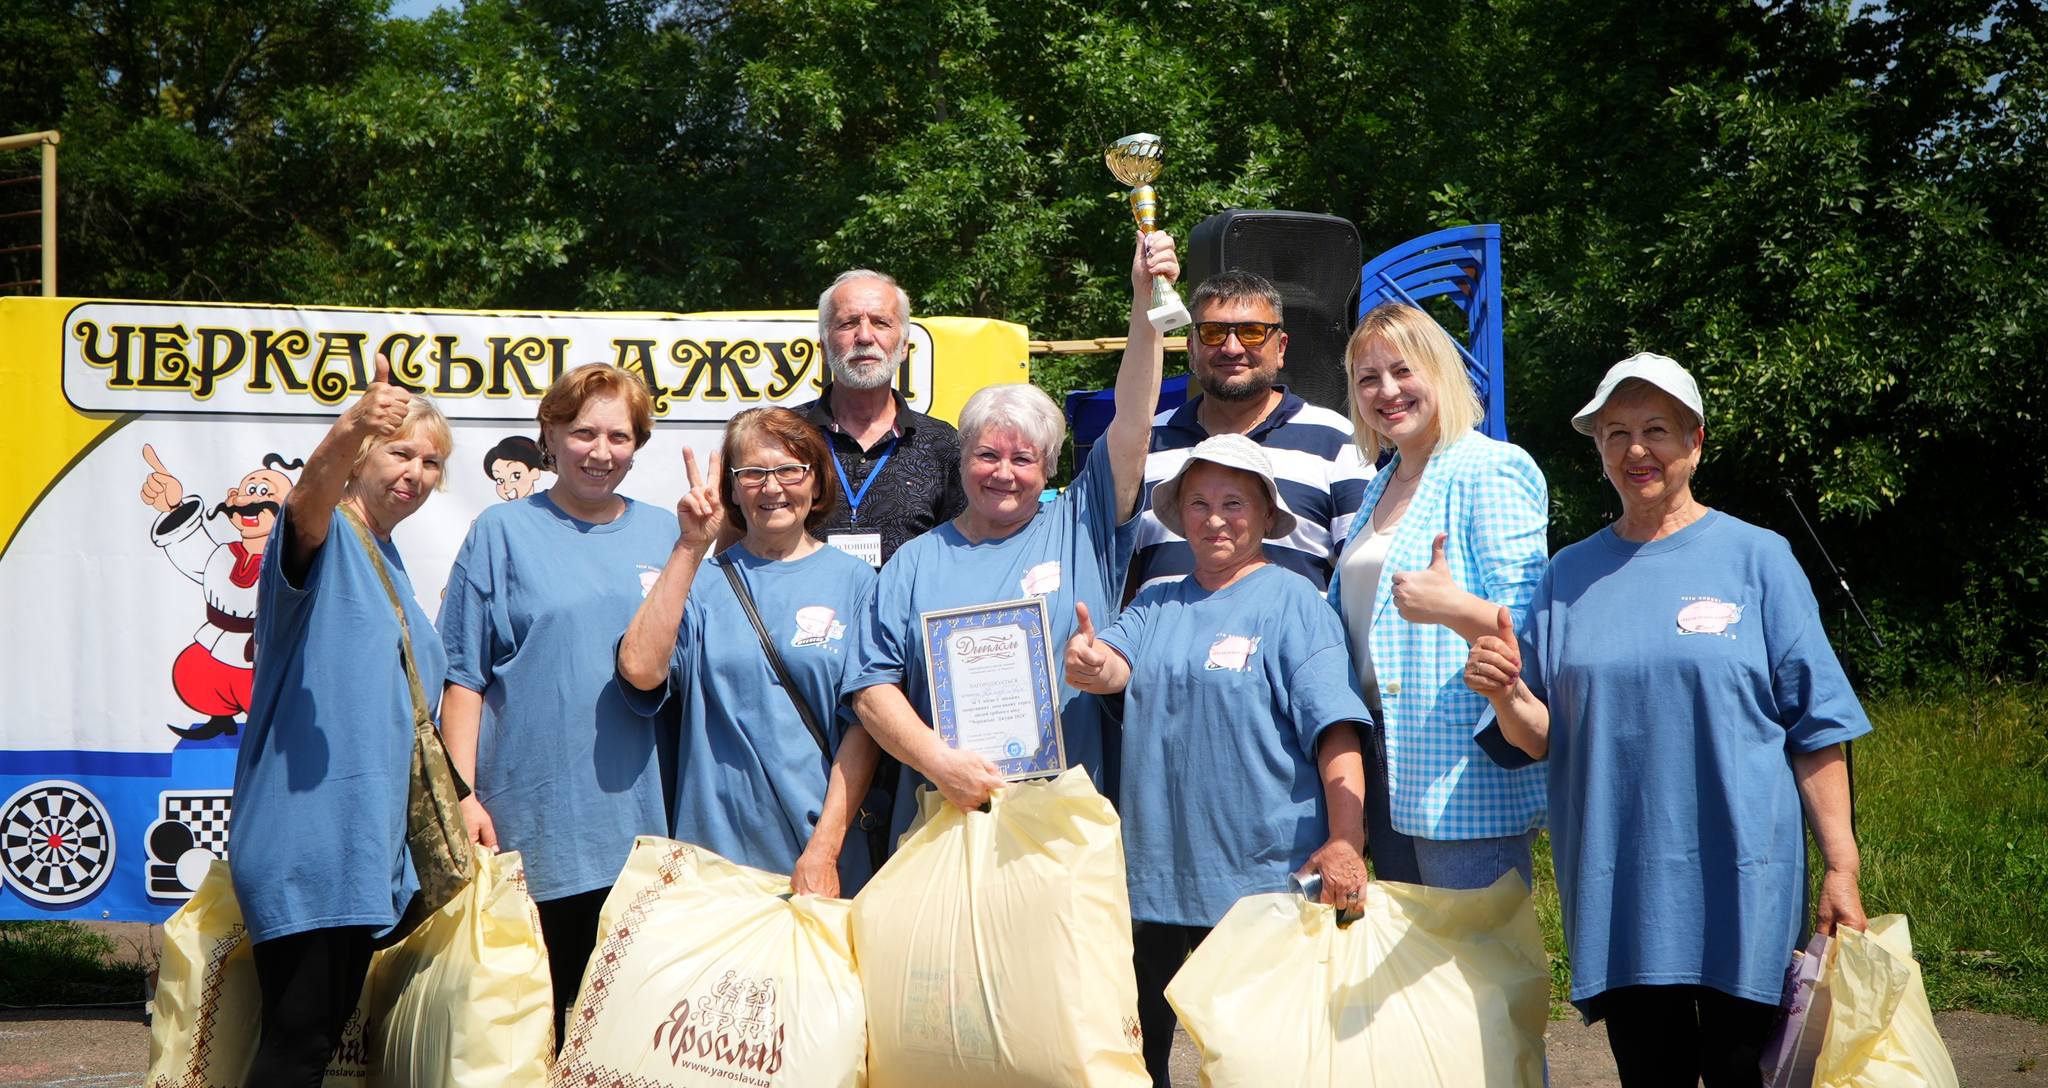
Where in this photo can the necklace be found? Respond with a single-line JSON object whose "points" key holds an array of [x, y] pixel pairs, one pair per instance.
{"points": [[1410, 478]]}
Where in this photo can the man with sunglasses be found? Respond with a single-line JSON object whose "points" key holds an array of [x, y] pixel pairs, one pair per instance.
{"points": [[898, 470], [1237, 348]]}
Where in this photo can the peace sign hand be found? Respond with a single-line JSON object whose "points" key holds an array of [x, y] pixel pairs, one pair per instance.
{"points": [[699, 513], [380, 411]]}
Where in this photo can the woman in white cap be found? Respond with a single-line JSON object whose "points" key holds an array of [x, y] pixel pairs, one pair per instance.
{"points": [[1452, 528], [1241, 733], [1673, 672]]}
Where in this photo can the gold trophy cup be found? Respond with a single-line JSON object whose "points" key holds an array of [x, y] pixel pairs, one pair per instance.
{"points": [[1135, 160]]}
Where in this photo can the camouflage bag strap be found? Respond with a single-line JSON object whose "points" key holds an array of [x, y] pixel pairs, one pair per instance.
{"points": [[434, 829]]}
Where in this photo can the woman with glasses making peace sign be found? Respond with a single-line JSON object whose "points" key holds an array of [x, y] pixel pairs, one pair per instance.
{"points": [[769, 772]]}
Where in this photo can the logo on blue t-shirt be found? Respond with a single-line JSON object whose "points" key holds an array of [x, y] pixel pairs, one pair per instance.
{"points": [[817, 625], [1708, 616], [1232, 653]]}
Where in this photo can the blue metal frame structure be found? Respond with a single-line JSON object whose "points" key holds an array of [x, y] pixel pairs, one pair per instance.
{"points": [[1462, 264]]}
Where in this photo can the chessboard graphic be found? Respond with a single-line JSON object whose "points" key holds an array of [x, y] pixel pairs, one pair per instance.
{"points": [[56, 842], [190, 831]]}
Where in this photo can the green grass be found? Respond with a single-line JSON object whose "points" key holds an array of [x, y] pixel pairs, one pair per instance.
{"points": [[1952, 821], [59, 963]]}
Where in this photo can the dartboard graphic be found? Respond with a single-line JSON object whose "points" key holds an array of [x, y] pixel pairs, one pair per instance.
{"points": [[56, 842]]}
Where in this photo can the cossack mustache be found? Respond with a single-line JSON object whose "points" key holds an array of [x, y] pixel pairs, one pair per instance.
{"points": [[249, 510]]}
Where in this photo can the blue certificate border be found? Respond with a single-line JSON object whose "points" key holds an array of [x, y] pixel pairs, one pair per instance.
{"points": [[1029, 613]]}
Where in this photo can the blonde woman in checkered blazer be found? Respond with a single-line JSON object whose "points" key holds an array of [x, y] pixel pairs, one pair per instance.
{"points": [[1451, 529]]}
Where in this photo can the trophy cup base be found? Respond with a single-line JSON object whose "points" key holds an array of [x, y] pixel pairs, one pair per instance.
{"points": [[1168, 315]]}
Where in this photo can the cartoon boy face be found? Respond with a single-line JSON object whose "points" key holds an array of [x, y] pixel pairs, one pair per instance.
{"points": [[253, 504], [514, 480]]}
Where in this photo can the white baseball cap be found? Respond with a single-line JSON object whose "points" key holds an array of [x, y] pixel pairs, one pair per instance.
{"points": [[1231, 451], [1661, 371]]}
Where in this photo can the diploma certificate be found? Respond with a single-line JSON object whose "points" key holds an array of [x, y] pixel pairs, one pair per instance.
{"points": [[993, 692]]}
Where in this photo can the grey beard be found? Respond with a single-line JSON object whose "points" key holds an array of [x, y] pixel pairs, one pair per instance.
{"points": [[861, 375]]}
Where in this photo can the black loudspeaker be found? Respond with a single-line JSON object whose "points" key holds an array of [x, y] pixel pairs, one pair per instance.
{"points": [[1314, 260]]}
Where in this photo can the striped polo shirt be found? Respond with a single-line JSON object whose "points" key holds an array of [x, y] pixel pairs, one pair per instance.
{"points": [[1319, 471]]}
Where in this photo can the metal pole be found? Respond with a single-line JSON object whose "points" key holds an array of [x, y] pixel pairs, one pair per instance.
{"points": [[50, 217], [47, 140]]}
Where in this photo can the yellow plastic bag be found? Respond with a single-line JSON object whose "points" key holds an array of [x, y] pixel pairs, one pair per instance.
{"points": [[207, 1012], [465, 1000], [707, 973], [995, 947], [1880, 1027], [1429, 987]]}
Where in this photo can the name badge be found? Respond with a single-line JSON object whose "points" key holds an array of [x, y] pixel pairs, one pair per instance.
{"points": [[866, 547]]}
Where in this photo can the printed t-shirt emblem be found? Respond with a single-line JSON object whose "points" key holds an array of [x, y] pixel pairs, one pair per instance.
{"points": [[817, 625], [1708, 616], [1232, 653], [1042, 580]]}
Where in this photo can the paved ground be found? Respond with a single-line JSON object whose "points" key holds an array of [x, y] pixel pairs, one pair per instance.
{"points": [[109, 1048]]}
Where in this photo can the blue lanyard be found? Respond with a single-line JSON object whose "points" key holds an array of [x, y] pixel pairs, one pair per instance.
{"points": [[853, 498]]}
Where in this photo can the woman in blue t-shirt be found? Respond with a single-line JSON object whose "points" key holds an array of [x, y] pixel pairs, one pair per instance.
{"points": [[1007, 545], [321, 867], [1674, 674], [755, 781], [1241, 747], [1452, 528], [565, 772]]}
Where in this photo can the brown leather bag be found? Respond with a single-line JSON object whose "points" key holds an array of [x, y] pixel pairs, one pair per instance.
{"points": [[442, 854]]}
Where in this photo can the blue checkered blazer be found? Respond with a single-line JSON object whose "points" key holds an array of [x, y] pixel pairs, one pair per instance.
{"points": [[1492, 500]]}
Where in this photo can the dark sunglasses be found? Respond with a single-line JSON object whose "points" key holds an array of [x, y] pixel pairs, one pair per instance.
{"points": [[1249, 333]]}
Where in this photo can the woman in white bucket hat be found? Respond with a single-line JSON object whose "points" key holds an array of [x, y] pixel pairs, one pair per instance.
{"points": [[1241, 727], [1673, 672]]}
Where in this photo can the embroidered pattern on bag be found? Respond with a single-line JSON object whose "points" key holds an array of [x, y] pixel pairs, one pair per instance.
{"points": [[209, 1008], [573, 1067]]}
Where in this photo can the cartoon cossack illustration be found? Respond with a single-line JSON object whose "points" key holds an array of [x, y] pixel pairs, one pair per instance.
{"points": [[514, 466], [222, 550]]}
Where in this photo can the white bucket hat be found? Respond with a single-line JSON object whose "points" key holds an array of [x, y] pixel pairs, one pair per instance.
{"points": [[1231, 451], [1661, 371]]}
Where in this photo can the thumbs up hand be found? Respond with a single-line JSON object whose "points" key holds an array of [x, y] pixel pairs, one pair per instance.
{"points": [[1091, 665], [1494, 665], [380, 411], [1429, 595]]}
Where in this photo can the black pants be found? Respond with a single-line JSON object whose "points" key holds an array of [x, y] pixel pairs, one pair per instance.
{"points": [[1157, 952], [1678, 1035], [568, 926], [310, 983]]}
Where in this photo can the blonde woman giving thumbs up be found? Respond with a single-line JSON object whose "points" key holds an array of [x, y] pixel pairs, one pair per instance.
{"points": [[321, 868], [1452, 528]]}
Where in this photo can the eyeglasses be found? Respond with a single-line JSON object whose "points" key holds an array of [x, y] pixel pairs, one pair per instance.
{"points": [[1249, 333], [787, 475]]}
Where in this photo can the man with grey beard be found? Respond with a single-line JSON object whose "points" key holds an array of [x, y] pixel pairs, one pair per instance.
{"points": [[898, 469]]}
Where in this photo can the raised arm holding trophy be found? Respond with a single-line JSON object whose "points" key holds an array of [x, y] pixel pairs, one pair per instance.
{"points": [[963, 581]]}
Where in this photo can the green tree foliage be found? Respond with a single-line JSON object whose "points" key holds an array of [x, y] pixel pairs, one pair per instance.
{"points": [[1827, 210]]}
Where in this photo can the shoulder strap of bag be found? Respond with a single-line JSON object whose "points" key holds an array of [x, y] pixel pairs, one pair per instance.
{"points": [[412, 673], [796, 698], [421, 715]]}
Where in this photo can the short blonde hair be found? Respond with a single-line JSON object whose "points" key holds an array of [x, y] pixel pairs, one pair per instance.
{"points": [[423, 418], [1427, 349], [1018, 407]]}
